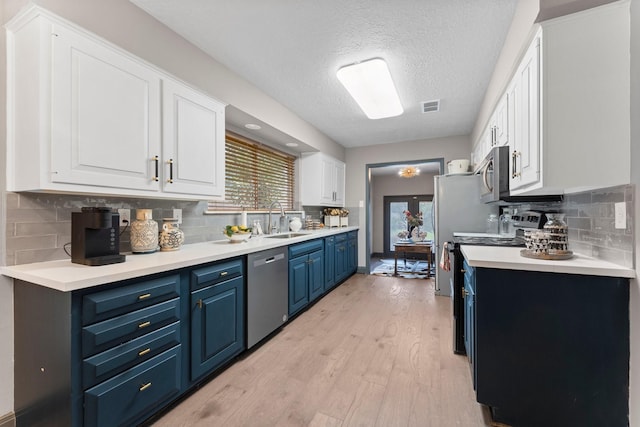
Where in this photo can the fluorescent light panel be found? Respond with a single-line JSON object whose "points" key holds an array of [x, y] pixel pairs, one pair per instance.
{"points": [[370, 84]]}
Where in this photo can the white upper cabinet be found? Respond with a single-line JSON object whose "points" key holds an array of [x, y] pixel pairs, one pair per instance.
{"points": [[85, 116], [572, 88], [105, 115], [525, 144], [193, 142], [322, 180]]}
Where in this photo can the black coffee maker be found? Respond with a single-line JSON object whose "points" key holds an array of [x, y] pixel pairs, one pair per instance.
{"points": [[95, 237]]}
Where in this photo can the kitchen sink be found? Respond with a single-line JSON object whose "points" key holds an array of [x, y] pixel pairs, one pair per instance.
{"points": [[286, 235]]}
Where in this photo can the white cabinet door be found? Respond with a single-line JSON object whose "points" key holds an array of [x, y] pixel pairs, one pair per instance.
{"points": [[105, 115], [193, 142], [327, 185], [330, 172], [527, 146], [340, 172], [501, 122]]}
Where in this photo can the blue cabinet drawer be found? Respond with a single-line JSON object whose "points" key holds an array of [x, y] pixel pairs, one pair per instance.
{"points": [[305, 248], [108, 333], [103, 305], [125, 398], [342, 237], [217, 273], [117, 359]]}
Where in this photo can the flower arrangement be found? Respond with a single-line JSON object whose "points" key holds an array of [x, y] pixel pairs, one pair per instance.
{"points": [[413, 221], [336, 212]]}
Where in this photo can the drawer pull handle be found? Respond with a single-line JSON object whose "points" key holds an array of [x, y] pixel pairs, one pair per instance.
{"points": [[143, 296], [224, 273], [144, 325], [143, 352], [143, 387]]}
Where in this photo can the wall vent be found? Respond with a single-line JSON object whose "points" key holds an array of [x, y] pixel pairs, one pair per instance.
{"points": [[431, 106]]}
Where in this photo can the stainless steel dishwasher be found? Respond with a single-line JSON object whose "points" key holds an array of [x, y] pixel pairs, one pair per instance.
{"points": [[267, 293]]}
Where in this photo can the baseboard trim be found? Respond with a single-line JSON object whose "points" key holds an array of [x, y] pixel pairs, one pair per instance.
{"points": [[8, 420]]}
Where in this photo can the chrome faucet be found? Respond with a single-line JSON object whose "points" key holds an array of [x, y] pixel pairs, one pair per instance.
{"points": [[282, 215]]}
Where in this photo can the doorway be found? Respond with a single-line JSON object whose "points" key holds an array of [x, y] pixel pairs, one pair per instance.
{"points": [[395, 219], [373, 201]]}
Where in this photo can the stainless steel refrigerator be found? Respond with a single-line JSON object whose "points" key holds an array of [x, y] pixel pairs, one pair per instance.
{"points": [[457, 207]]}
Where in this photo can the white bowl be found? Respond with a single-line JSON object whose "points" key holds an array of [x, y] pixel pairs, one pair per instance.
{"points": [[238, 237]]}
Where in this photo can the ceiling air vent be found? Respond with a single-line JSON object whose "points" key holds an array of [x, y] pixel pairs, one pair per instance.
{"points": [[430, 106]]}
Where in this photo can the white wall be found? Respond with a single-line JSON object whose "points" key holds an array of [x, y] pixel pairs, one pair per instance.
{"points": [[392, 185], [357, 159]]}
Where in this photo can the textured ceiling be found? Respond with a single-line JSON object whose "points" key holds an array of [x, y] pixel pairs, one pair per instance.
{"points": [[291, 49]]}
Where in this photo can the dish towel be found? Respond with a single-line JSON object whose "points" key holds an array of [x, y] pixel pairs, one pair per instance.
{"points": [[445, 263]]}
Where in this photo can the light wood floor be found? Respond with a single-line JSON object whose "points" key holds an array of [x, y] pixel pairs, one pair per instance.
{"points": [[376, 351]]}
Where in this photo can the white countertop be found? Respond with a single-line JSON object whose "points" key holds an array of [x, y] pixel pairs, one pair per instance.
{"points": [[509, 258], [66, 276]]}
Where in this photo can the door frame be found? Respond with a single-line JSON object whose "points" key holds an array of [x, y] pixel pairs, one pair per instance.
{"points": [[368, 197], [413, 203]]}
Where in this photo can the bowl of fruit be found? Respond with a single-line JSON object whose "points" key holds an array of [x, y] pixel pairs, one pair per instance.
{"points": [[237, 233]]}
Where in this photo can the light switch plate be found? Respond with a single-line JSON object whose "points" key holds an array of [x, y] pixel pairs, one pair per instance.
{"points": [[177, 214], [620, 215]]}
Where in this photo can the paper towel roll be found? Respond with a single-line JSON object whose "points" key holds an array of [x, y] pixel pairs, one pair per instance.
{"points": [[243, 219]]}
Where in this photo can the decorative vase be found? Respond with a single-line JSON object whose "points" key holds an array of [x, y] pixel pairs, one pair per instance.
{"points": [[144, 232], [295, 224], [558, 233], [415, 234], [171, 237]]}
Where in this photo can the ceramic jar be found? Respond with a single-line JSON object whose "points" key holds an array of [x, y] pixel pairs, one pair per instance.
{"points": [[144, 232], [295, 224], [171, 237], [558, 232]]}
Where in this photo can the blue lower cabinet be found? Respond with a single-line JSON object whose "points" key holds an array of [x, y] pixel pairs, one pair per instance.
{"points": [[329, 262], [298, 285], [352, 252], [123, 399], [316, 275], [217, 325], [306, 273], [341, 263]]}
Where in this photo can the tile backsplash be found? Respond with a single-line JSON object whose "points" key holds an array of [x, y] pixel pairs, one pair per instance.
{"points": [[590, 216], [39, 224]]}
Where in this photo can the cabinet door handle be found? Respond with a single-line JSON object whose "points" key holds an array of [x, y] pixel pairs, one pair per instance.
{"points": [[144, 325], [170, 180], [513, 164], [143, 297], [156, 160], [143, 352], [464, 293], [199, 304], [224, 273], [143, 387], [462, 270]]}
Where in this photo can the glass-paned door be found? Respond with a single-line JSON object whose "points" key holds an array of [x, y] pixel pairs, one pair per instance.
{"points": [[395, 219]]}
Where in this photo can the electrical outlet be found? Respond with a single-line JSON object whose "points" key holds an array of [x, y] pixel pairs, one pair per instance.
{"points": [[125, 217], [620, 215], [177, 214]]}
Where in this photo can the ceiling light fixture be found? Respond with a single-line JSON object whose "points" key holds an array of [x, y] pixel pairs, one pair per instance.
{"points": [[370, 84], [408, 172], [291, 144], [252, 126]]}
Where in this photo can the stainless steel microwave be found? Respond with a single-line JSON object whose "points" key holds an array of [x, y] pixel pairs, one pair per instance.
{"points": [[494, 170]]}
